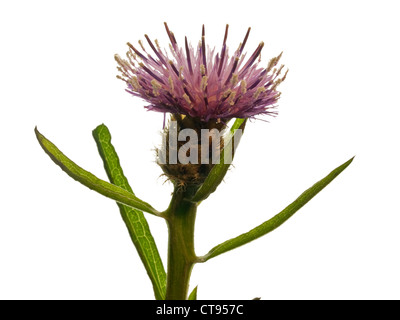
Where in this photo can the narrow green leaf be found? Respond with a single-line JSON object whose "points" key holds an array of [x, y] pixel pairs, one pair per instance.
{"points": [[277, 220], [218, 172], [193, 294], [134, 219], [91, 181]]}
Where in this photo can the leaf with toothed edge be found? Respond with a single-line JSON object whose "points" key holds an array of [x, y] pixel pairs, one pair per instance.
{"points": [[277, 220], [134, 219], [90, 180]]}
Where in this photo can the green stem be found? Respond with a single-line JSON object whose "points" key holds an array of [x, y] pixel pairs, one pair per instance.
{"points": [[180, 217]]}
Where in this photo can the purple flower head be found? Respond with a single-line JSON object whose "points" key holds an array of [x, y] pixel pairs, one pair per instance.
{"points": [[200, 82]]}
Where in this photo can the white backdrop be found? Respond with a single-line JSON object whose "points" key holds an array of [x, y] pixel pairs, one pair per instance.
{"points": [[59, 240]]}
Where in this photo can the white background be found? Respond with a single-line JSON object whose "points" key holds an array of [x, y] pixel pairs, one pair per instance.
{"points": [[59, 240]]}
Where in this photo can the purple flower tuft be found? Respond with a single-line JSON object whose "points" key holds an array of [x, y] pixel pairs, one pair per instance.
{"points": [[200, 83]]}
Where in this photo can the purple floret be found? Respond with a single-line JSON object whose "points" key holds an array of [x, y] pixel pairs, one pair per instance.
{"points": [[200, 83]]}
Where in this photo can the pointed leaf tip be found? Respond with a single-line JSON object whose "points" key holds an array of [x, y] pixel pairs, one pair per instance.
{"points": [[278, 219], [134, 219], [91, 181], [219, 171], [193, 294]]}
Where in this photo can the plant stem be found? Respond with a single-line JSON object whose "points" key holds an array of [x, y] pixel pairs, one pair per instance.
{"points": [[180, 217]]}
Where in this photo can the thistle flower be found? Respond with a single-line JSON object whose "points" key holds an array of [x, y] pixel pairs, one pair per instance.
{"points": [[200, 83]]}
